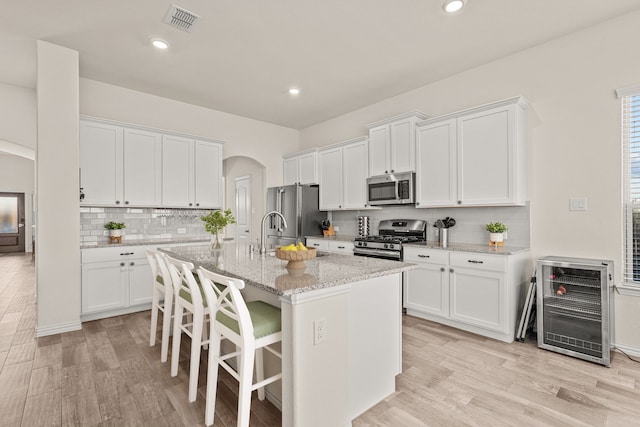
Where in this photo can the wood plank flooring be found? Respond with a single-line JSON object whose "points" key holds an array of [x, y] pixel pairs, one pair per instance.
{"points": [[107, 375]]}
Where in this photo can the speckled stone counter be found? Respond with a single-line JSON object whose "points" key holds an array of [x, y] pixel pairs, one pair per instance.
{"points": [[145, 242], [269, 273], [468, 247], [337, 238]]}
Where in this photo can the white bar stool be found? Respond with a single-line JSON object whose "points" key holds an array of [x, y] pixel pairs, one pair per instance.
{"points": [[162, 288], [189, 297], [252, 327]]}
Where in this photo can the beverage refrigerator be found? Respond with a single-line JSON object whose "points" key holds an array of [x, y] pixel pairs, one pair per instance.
{"points": [[299, 206], [575, 307]]}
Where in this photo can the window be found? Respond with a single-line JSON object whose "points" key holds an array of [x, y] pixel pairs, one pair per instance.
{"points": [[631, 184]]}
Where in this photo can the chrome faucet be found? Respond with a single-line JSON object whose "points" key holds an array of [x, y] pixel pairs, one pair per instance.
{"points": [[263, 247]]}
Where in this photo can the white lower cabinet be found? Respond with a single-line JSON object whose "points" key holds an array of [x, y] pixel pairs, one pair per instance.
{"points": [[115, 281], [333, 246], [480, 293]]}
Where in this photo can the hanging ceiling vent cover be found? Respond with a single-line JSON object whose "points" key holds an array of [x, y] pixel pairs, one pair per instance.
{"points": [[181, 18]]}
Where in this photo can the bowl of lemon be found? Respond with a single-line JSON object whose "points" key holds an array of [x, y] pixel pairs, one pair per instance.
{"points": [[296, 255]]}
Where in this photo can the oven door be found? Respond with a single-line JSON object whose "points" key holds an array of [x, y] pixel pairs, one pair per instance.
{"points": [[378, 253]]}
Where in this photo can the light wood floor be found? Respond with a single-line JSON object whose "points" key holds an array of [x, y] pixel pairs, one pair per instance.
{"points": [[107, 375]]}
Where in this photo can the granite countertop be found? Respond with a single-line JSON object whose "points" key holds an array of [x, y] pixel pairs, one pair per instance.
{"points": [[144, 242], [469, 247], [270, 273], [337, 238]]}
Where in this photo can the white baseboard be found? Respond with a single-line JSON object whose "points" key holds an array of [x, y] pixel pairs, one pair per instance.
{"points": [[631, 351], [58, 329]]}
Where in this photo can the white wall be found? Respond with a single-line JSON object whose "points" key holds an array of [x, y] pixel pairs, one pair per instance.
{"points": [[57, 183], [243, 137], [18, 113], [573, 136]]}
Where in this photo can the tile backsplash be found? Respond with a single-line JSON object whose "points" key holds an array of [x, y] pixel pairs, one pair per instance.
{"points": [[142, 223], [469, 228]]}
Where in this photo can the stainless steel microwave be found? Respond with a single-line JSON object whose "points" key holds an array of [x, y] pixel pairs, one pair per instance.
{"points": [[391, 189]]}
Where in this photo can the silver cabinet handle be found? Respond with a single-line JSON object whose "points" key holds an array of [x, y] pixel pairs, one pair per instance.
{"points": [[340, 247], [126, 253], [424, 256], [473, 261]]}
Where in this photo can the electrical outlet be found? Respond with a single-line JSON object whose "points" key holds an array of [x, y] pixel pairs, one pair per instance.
{"points": [[577, 203], [105, 233], [336, 228], [182, 230], [319, 331]]}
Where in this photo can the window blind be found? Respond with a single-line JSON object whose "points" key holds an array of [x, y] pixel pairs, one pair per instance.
{"points": [[631, 183]]}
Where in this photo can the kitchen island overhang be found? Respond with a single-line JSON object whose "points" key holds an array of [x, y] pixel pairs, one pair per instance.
{"points": [[332, 377]]}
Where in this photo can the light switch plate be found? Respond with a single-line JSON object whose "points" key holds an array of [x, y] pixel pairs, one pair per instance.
{"points": [[577, 203]]}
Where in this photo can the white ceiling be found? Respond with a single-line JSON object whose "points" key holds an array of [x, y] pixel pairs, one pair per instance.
{"points": [[243, 55]]}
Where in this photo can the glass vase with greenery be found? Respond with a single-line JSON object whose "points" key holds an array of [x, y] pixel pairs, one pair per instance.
{"points": [[215, 221]]}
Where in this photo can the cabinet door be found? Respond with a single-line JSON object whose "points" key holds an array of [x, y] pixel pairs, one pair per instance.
{"points": [[426, 289], [101, 164], [436, 174], [403, 151], [479, 298], [208, 175], [177, 171], [290, 171], [104, 286], [338, 247], [355, 168], [140, 281], [307, 168], [486, 158], [379, 140], [330, 166], [319, 244], [142, 168]]}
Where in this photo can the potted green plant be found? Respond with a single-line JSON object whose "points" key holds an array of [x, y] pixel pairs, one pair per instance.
{"points": [[496, 231], [215, 221], [115, 230]]}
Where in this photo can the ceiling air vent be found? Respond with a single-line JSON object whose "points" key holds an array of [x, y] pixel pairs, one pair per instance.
{"points": [[181, 18]]}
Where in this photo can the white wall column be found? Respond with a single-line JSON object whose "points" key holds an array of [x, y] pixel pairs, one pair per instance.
{"points": [[57, 186]]}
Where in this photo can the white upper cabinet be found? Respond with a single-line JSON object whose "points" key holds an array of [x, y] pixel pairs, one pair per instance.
{"points": [[392, 144], [101, 177], [301, 168], [343, 174], [142, 167], [191, 173], [177, 171], [330, 165], [126, 165], [475, 157], [208, 173]]}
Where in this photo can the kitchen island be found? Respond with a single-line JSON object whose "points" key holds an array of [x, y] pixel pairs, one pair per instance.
{"points": [[341, 325]]}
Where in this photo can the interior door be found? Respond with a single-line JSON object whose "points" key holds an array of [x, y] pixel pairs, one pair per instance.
{"points": [[243, 209], [11, 222]]}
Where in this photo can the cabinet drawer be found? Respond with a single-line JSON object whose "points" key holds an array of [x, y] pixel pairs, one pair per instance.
{"points": [[432, 256], [321, 245], [479, 261], [113, 254], [341, 247]]}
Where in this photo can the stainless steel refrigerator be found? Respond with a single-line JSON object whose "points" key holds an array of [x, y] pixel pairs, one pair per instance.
{"points": [[299, 206]]}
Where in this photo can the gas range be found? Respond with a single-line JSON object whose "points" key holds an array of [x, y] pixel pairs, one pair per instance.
{"points": [[393, 233]]}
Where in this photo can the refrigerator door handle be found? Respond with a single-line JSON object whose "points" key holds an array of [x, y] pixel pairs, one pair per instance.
{"points": [[279, 208]]}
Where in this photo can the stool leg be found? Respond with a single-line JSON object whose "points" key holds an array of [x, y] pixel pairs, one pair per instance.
{"points": [[212, 377], [166, 326], [260, 371], [155, 300], [194, 365], [175, 351], [246, 380]]}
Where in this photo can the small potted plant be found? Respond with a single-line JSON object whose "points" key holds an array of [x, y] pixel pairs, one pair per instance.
{"points": [[496, 232], [115, 231], [214, 222]]}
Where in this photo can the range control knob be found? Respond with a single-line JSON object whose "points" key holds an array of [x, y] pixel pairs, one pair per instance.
{"points": [[364, 243], [386, 245]]}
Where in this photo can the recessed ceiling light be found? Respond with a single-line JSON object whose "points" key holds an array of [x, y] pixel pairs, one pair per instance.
{"points": [[159, 44], [452, 6], [294, 91]]}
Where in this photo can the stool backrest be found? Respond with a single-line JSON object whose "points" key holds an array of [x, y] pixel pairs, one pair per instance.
{"points": [[159, 269], [185, 286], [224, 297]]}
